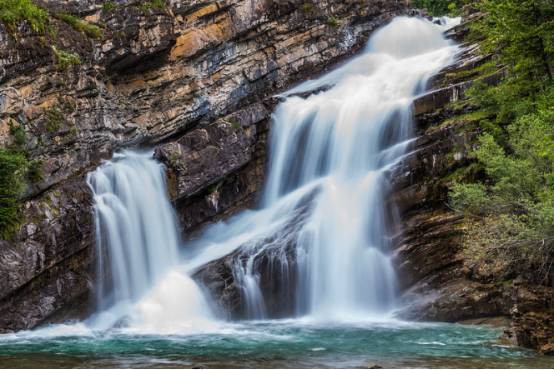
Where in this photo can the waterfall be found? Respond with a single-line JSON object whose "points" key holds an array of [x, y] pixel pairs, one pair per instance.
{"points": [[349, 136], [140, 283], [319, 245], [323, 205]]}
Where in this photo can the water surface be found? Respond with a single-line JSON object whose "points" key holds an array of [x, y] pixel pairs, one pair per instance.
{"points": [[270, 344]]}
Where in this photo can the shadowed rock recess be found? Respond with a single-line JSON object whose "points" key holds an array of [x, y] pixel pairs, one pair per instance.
{"points": [[195, 80]]}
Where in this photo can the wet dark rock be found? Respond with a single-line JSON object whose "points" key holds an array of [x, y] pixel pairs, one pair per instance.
{"points": [[47, 267], [137, 37], [274, 261], [206, 155]]}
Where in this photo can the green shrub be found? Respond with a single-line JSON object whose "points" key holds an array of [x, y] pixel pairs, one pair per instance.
{"points": [[54, 119], [152, 4], [15, 11], [34, 172], [108, 6], [333, 22], [90, 30], [66, 58], [12, 173], [470, 198], [438, 7], [307, 7], [18, 133]]}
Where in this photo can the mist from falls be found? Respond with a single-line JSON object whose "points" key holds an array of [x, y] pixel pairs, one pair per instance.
{"points": [[140, 283]]}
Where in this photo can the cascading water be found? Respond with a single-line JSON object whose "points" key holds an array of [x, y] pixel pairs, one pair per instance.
{"points": [[349, 136], [137, 243], [319, 245], [335, 148]]}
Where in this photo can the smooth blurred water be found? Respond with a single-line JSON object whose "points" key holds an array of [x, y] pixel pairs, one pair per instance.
{"points": [[271, 344], [140, 283]]}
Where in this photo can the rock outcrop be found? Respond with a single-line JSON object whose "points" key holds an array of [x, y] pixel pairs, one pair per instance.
{"points": [[193, 78]]}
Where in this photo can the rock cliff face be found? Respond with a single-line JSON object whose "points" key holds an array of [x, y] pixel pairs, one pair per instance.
{"points": [[194, 79]]}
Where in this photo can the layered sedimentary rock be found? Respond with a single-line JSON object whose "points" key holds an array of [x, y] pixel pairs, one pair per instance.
{"points": [[194, 79]]}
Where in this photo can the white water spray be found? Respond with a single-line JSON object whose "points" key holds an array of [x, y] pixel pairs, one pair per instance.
{"points": [[141, 285]]}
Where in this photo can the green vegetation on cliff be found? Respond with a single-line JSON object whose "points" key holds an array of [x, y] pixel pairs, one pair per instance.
{"points": [[14, 11], [15, 172], [66, 58], [438, 7], [515, 152], [90, 30], [152, 4], [13, 166]]}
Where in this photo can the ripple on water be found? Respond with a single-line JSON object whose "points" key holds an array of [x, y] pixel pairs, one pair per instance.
{"points": [[286, 343]]}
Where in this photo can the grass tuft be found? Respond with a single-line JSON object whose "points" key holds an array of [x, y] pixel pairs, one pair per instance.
{"points": [[13, 12], [90, 30]]}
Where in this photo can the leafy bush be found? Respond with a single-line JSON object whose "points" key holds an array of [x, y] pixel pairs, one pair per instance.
{"points": [[66, 58], [523, 32], [34, 172], [90, 30], [470, 198], [438, 7], [109, 6], [333, 22], [54, 119], [307, 7], [15, 11], [18, 133], [153, 4], [12, 173]]}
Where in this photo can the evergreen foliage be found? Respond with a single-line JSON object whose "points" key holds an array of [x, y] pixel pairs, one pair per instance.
{"points": [[516, 149], [438, 7]]}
